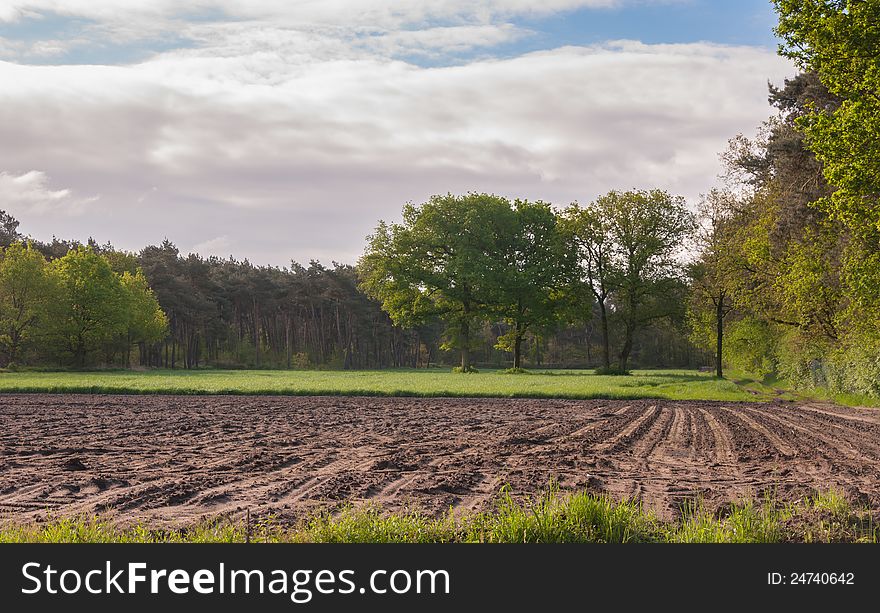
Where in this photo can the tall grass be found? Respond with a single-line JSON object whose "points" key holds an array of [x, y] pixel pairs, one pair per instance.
{"points": [[553, 517]]}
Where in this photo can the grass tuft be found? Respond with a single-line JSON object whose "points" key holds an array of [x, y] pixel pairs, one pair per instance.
{"points": [[552, 517]]}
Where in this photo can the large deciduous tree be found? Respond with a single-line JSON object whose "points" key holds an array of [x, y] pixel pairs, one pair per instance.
{"points": [[26, 288], [445, 259], [91, 307], [145, 321], [712, 273], [840, 41], [648, 230], [588, 234], [629, 245], [539, 267]]}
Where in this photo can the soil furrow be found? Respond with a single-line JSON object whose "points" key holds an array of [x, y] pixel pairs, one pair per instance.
{"points": [[169, 460]]}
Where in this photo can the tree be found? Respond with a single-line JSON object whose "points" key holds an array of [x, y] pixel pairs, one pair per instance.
{"points": [[711, 273], [145, 321], [840, 41], [91, 306], [26, 288], [647, 230], [8, 229], [538, 269], [446, 259], [788, 254], [588, 232]]}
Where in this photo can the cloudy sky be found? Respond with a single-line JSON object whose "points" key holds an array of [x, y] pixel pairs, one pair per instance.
{"points": [[284, 129]]}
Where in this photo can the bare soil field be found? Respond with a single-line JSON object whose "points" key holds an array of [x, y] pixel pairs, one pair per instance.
{"points": [[174, 460]]}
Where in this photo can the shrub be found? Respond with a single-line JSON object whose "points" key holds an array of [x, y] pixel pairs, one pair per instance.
{"points": [[751, 347], [612, 372]]}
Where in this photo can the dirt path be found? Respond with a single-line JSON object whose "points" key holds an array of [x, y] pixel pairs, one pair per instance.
{"points": [[175, 460]]}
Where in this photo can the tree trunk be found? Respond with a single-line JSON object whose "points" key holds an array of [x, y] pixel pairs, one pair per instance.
{"points": [[15, 341], [590, 346], [625, 351], [287, 341], [606, 344], [517, 346], [256, 315], [465, 346], [719, 323]]}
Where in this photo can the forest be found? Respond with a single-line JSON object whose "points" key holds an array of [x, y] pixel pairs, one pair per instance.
{"points": [[776, 272]]}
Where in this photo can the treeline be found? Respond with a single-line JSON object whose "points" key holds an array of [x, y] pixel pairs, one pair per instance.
{"points": [[207, 312], [778, 275], [72, 308], [233, 314], [788, 272]]}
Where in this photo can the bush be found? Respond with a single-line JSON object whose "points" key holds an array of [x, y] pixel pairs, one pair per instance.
{"points": [[612, 372], [300, 361], [751, 347], [855, 367], [799, 360]]}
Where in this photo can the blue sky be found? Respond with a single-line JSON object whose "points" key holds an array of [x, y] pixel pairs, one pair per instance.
{"points": [[279, 130], [735, 22], [731, 22]]}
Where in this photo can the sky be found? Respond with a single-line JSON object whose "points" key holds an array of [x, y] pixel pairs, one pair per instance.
{"points": [[279, 130]]}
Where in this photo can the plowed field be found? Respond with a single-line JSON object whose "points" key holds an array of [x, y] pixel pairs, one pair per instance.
{"points": [[175, 460]]}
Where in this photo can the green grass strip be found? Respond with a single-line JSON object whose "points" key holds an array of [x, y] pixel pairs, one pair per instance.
{"points": [[553, 517]]}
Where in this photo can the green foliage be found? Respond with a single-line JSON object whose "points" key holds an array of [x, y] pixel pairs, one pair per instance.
{"points": [[26, 290], [370, 525], [854, 366], [539, 267], [146, 322], [752, 346], [647, 230], [90, 309], [446, 259], [73, 306], [745, 522], [808, 285], [627, 243], [8, 229], [800, 359], [611, 372], [554, 518], [701, 324], [839, 40]]}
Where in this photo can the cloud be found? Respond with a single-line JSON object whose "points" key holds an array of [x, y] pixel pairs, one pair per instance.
{"points": [[30, 192], [376, 12], [441, 41], [299, 159], [412, 23], [219, 246], [292, 127]]}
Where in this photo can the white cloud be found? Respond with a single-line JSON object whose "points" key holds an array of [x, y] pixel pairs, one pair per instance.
{"points": [[418, 22], [293, 129], [30, 192], [220, 246], [437, 42], [374, 12]]}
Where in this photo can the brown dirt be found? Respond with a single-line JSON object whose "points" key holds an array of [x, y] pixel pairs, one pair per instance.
{"points": [[175, 460]]}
